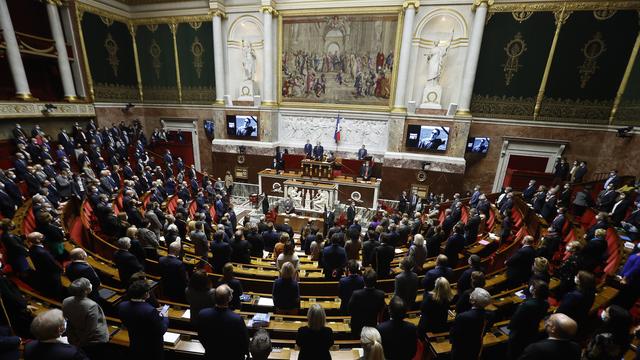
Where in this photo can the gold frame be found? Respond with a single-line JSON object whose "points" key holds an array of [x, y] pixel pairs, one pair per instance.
{"points": [[559, 5], [625, 80], [379, 10]]}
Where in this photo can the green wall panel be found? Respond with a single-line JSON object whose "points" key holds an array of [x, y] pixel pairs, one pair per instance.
{"points": [[508, 77], [195, 48], [157, 63], [110, 55], [590, 60]]}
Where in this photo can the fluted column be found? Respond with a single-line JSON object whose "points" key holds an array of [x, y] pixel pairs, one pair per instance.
{"points": [[473, 55], [218, 56], [61, 48], [13, 54], [267, 73], [410, 7]]}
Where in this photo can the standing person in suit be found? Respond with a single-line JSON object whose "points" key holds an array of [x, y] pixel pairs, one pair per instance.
{"points": [[613, 180], [595, 251], [362, 153], [558, 346], [382, 256], [199, 294], [631, 223], [558, 222], [414, 200], [399, 337], [403, 201], [475, 196], [15, 249], [528, 192], [173, 274], [351, 213], [525, 321], [468, 329], [434, 310], [334, 258], [581, 171], [200, 241], [48, 328], [145, 324], [48, 271], [126, 263], [577, 303], [602, 222], [348, 284], [220, 252], [455, 245], [222, 332], [366, 171], [464, 281], [441, 270], [86, 323], [318, 151], [308, 149], [79, 268], [315, 339], [619, 209], [366, 305], [519, 264], [286, 291], [630, 280], [607, 198], [406, 283]]}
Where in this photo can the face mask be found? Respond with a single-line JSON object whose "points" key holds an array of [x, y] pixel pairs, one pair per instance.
{"points": [[531, 290], [603, 316]]}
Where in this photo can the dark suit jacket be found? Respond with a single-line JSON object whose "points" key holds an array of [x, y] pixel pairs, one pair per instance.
{"points": [[37, 350], [127, 265], [433, 274], [519, 265], [223, 334], [591, 232], [467, 332], [334, 257], [433, 315], [558, 223], [550, 349], [367, 251], [454, 246], [220, 255], [78, 269], [381, 259], [406, 287], [365, 306], [48, 272], [524, 325], [174, 278], [286, 294], [527, 194], [398, 339], [471, 229], [576, 305], [146, 328], [347, 286], [619, 212]]}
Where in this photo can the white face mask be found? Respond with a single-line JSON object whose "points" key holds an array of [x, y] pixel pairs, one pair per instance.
{"points": [[531, 290], [604, 316]]}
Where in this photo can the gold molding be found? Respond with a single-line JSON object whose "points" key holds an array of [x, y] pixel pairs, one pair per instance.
{"points": [[26, 97], [136, 59], [625, 80], [559, 5], [174, 29], [561, 18], [372, 10], [414, 3], [85, 58], [477, 3], [218, 12], [399, 110], [463, 114], [146, 21], [71, 98], [268, 9]]}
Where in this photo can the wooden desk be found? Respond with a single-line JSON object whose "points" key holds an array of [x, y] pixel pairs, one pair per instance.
{"points": [[281, 354], [298, 223]]}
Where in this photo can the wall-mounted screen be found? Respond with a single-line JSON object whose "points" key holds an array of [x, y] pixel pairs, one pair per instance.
{"points": [[242, 126], [427, 138], [478, 145]]}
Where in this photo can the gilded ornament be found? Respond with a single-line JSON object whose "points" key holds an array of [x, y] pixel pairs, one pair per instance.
{"points": [[592, 50], [155, 52], [197, 50], [195, 25], [604, 14], [514, 49], [112, 49], [152, 27], [521, 15], [107, 21]]}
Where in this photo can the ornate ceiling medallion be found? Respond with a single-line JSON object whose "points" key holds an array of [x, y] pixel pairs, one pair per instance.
{"points": [[112, 49], [514, 49], [592, 50]]}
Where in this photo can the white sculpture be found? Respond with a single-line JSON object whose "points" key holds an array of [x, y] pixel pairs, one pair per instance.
{"points": [[321, 200], [432, 92], [296, 196], [248, 60]]}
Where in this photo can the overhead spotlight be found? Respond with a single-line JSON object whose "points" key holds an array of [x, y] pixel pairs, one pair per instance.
{"points": [[625, 132], [48, 108], [128, 107]]}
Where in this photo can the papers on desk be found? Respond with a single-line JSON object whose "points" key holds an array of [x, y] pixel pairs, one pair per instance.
{"points": [[263, 301], [171, 338], [493, 236], [483, 242], [187, 314], [629, 245], [259, 320], [266, 254], [521, 294], [397, 251]]}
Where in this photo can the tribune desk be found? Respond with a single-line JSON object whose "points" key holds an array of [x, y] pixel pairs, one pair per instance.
{"points": [[364, 193]]}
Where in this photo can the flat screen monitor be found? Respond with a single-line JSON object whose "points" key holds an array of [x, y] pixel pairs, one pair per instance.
{"points": [[428, 138], [242, 126], [478, 145]]}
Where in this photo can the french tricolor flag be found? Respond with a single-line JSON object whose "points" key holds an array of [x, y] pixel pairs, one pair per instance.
{"points": [[337, 133]]}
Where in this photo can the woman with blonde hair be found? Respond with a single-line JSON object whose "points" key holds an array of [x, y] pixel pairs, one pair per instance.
{"points": [[418, 253], [434, 309], [286, 292], [371, 344], [315, 339], [540, 270]]}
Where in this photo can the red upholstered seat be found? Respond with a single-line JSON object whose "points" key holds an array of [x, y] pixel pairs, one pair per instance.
{"points": [[465, 214]]}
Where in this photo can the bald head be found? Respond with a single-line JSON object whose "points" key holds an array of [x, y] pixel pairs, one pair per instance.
{"points": [[223, 295], [78, 254], [561, 326], [174, 248]]}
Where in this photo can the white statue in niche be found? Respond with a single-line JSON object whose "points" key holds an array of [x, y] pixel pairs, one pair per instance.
{"points": [[296, 196], [436, 57], [321, 200], [248, 60]]}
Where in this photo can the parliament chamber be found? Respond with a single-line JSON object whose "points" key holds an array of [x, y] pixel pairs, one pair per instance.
{"points": [[311, 179]]}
